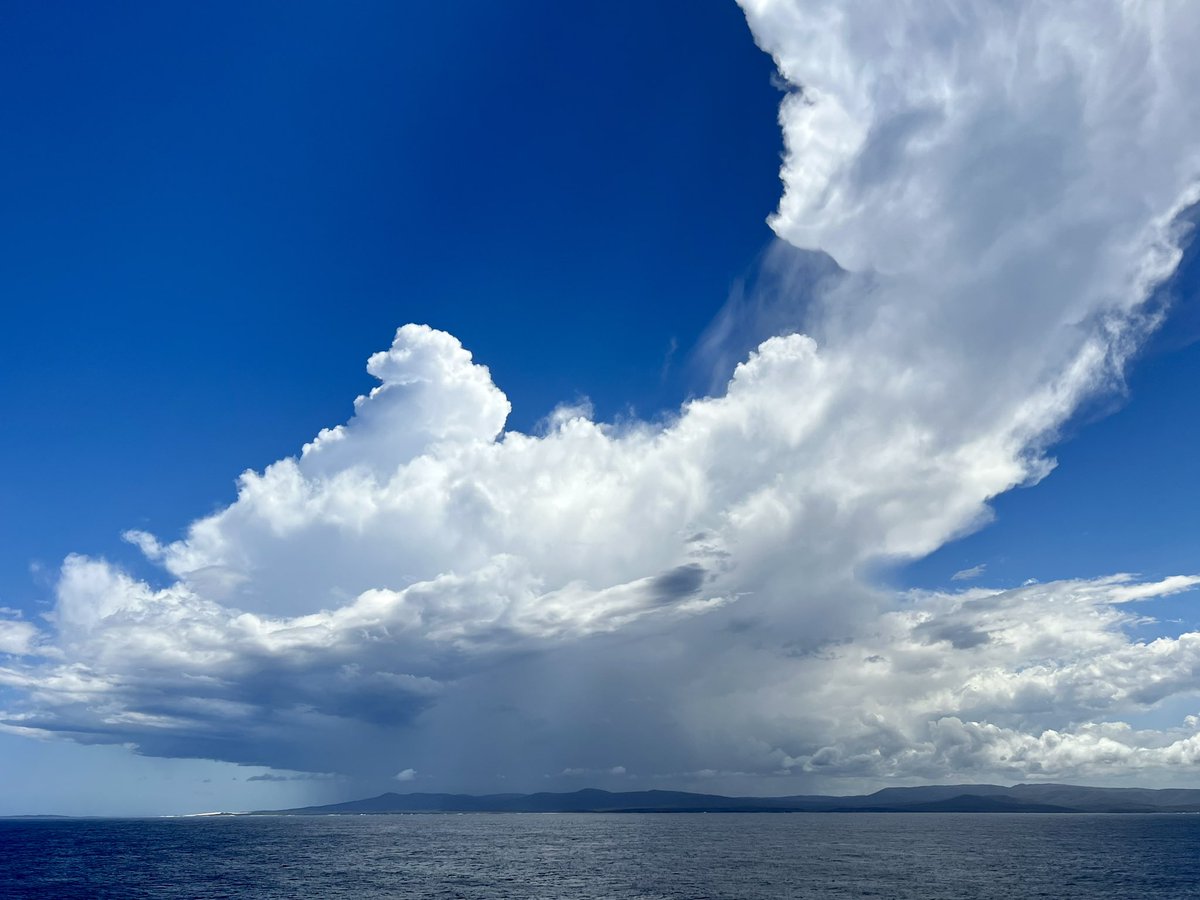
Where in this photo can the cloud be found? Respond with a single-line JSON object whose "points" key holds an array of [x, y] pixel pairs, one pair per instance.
{"points": [[295, 776], [17, 637], [575, 772], [979, 243], [1040, 689], [405, 775], [969, 573]]}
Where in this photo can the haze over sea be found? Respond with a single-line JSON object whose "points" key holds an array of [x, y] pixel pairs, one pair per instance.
{"points": [[606, 856]]}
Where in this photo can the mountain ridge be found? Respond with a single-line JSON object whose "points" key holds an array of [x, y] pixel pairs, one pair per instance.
{"points": [[1044, 798]]}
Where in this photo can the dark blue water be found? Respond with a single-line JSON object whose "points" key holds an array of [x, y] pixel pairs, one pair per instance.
{"points": [[615, 857]]}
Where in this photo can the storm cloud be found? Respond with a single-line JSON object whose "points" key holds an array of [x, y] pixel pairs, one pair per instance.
{"points": [[996, 191]]}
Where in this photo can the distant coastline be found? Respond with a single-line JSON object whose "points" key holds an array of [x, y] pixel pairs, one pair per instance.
{"points": [[967, 798]]}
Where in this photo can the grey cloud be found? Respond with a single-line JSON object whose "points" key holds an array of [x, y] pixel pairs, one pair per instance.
{"points": [[960, 635], [678, 584]]}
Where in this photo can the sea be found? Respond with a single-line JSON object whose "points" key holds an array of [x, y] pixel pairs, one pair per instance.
{"points": [[589, 856]]}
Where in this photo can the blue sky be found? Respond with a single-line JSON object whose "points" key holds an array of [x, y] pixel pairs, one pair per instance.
{"points": [[214, 215], [1123, 494]]}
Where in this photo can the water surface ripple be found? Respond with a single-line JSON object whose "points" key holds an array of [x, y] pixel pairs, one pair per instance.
{"points": [[606, 857]]}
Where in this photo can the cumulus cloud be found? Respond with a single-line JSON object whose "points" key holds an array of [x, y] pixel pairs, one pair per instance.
{"points": [[1035, 681], [17, 637], [983, 201]]}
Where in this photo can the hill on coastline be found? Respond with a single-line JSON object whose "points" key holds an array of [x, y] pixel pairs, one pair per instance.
{"points": [[1044, 798]]}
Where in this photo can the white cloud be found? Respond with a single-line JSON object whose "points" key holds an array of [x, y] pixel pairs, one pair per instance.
{"points": [[583, 772], [406, 775], [969, 573], [687, 596], [17, 637], [1035, 681]]}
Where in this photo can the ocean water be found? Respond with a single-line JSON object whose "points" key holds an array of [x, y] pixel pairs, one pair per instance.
{"points": [[614, 857]]}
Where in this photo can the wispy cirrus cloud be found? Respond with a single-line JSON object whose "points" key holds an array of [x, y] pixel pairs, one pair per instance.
{"points": [[969, 573]]}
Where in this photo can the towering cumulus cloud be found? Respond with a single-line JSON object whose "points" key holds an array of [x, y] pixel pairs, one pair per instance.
{"points": [[420, 590]]}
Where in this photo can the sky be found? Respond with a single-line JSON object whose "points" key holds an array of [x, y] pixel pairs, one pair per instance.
{"points": [[764, 399]]}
